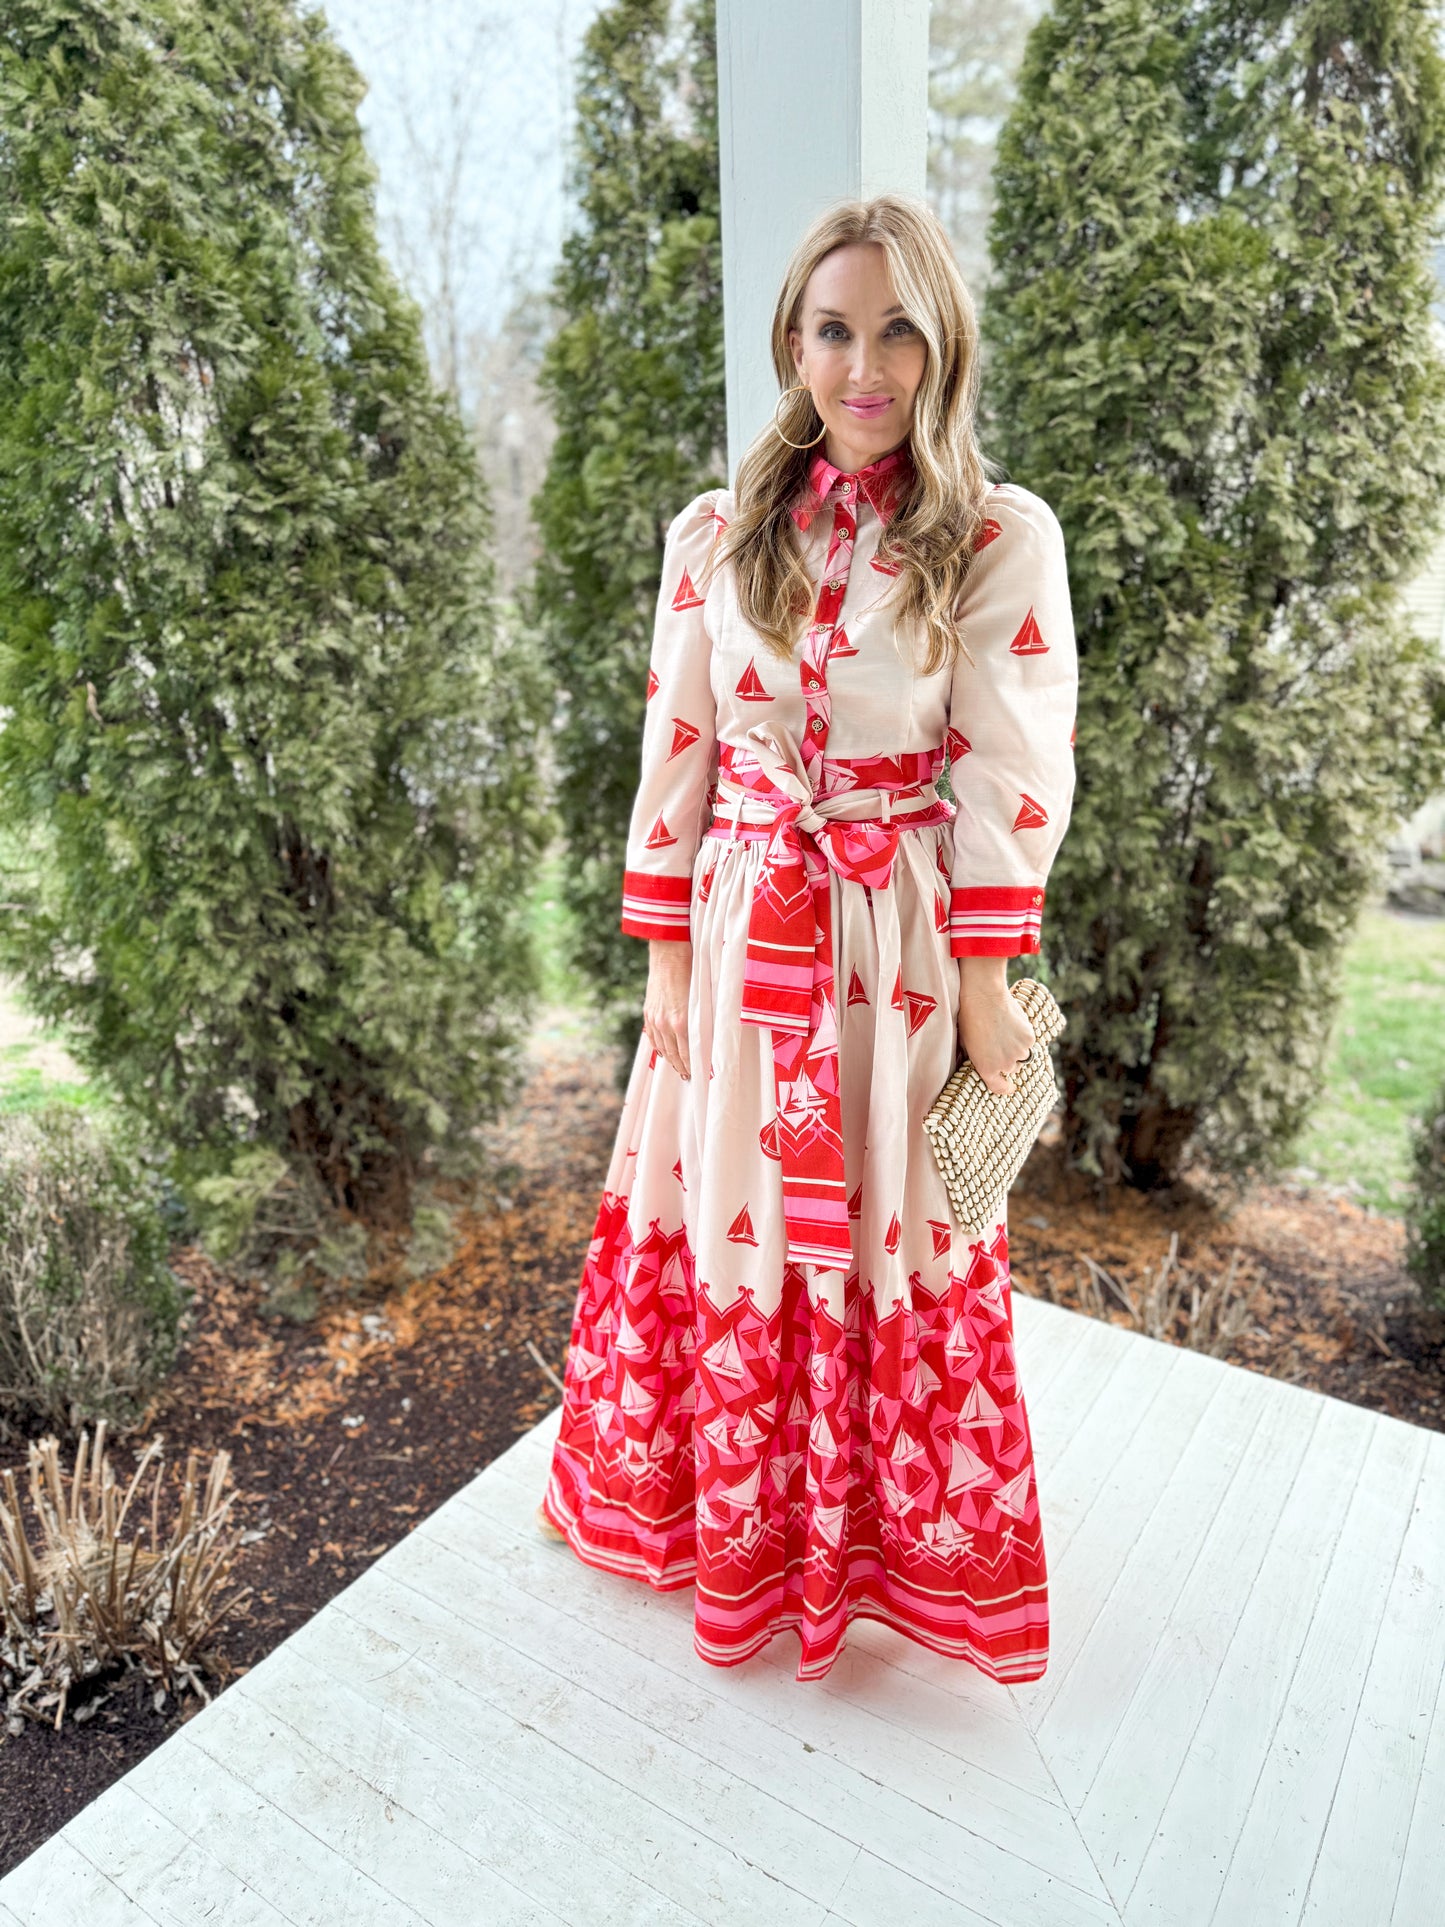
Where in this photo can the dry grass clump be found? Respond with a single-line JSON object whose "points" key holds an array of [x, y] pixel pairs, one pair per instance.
{"points": [[90, 1311], [106, 1595], [1173, 1304]]}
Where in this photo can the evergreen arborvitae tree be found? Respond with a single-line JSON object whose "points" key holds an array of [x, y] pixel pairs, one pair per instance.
{"points": [[267, 762], [634, 374], [1208, 347]]}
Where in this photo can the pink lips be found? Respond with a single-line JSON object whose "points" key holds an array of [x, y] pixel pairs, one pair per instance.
{"points": [[870, 408]]}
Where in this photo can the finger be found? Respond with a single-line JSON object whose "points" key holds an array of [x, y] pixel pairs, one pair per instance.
{"points": [[658, 1041], [677, 1053]]}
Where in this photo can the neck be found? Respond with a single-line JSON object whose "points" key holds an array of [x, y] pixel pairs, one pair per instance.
{"points": [[850, 459]]}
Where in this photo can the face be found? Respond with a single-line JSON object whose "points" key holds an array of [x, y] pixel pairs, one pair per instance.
{"points": [[859, 353]]}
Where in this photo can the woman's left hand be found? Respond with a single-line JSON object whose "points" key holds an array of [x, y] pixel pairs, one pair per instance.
{"points": [[993, 1026]]}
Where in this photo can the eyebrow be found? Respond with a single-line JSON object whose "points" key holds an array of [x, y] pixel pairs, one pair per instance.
{"points": [[834, 315]]}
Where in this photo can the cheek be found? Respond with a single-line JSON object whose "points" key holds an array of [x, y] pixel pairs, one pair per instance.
{"points": [[911, 373]]}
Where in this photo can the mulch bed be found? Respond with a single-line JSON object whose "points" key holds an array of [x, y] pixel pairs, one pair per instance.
{"points": [[346, 1431], [1332, 1306]]}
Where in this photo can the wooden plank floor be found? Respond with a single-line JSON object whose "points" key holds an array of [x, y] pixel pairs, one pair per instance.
{"points": [[1242, 1720]]}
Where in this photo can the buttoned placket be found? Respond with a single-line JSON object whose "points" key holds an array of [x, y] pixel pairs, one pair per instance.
{"points": [[789, 982], [813, 667]]}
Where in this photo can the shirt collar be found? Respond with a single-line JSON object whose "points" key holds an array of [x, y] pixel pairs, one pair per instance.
{"points": [[883, 482]]}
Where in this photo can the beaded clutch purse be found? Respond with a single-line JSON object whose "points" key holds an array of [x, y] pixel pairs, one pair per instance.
{"points": [[980, 1139]]}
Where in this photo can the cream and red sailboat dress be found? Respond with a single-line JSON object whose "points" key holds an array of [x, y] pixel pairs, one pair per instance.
{"points": [[791, 1378]]}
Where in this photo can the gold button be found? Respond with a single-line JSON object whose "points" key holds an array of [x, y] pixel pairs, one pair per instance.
{"points": [[812, 682], [817, 722]]}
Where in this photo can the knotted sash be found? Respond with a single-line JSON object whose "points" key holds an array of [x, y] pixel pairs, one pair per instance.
{"points": [[789, 980]]}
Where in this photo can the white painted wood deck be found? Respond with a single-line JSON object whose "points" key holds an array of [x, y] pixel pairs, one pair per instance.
{"points": [[1242, 1719]]}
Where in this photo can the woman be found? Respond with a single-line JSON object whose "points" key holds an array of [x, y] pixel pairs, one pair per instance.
{"points": [[791, 1375]]}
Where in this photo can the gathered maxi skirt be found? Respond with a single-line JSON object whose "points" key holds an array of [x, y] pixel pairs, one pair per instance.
{"points": [[804, 1444]]}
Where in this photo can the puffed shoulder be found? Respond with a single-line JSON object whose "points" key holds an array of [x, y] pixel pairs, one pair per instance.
{"points": [[699, 521], [1024, 514], [1018, 557]]}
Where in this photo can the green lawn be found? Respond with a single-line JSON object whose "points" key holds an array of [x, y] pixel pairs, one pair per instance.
{"points": [[1386, 1063], [24, 1083], [566, 1010], [1387, 1058], [560, 986]]}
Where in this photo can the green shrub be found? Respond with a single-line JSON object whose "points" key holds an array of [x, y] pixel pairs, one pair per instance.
{"points": [[634, 376], [1425, 1207], [268, 755], [266, 1217], [89, 1308], [1210, 348]]}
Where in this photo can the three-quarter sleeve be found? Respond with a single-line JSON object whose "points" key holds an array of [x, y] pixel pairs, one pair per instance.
{"points": [[1011, 728], [679, 735]]}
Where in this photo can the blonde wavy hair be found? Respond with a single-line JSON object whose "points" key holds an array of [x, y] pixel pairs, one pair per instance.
{"points": [[932, 532]]}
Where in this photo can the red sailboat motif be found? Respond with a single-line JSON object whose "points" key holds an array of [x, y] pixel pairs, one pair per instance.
{"points": [[687, 597], [920, 1008], [1028, 641], [751, 687], [684, 735], [741, 1229], [1032, 815]]}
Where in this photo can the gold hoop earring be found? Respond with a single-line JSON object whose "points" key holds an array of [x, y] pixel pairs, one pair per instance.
{"points": [[802, 387]]}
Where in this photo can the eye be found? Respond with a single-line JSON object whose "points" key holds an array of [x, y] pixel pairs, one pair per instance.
{"points": [[826, 332]]}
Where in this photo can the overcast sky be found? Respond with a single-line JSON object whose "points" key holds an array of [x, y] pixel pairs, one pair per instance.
{"points": [[501, 69]]}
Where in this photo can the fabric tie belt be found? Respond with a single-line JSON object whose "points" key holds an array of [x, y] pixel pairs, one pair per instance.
{"points": [[788, 980]]}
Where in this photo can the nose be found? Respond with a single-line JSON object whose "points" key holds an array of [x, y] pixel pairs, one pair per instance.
{"points": [[865, 363]]}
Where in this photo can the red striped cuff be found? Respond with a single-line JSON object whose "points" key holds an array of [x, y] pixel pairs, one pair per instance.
{"points": [[655, 906], [994, 920]]}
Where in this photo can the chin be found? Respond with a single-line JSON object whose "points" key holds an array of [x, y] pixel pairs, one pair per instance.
{"points": [[882, 431]]}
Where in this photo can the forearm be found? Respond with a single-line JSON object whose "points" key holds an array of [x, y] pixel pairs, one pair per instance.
{"points": [[983, 973], [669, 960], [982, 988]]}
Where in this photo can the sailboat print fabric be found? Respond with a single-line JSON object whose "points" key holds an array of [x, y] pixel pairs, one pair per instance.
{"points": [[791, 1382]]}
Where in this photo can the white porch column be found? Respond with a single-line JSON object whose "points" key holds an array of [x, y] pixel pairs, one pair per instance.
{"points": [[818, 101]]}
